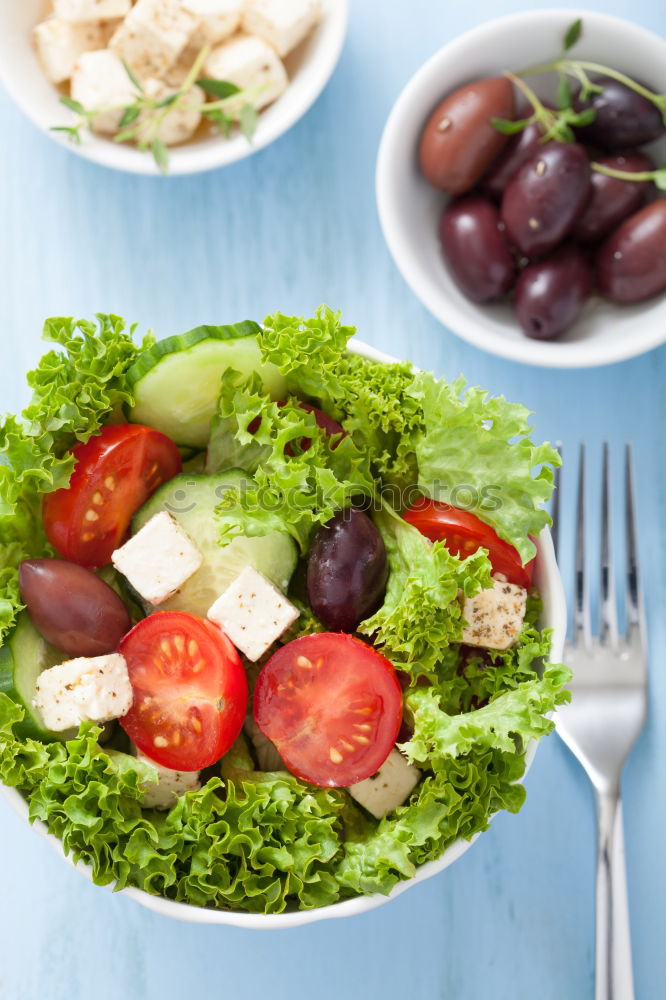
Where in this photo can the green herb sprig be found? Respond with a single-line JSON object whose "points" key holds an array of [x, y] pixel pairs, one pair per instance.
{"points": [[142, 119], [558, 124]]}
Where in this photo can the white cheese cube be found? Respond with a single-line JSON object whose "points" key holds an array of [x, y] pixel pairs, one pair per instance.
{"points": [[79, 11], [170, 785], [218, 19], [265, 751], [494, 617], [153, 35], [100, 81], [392, 785], [158, 559], [281, 23], [88, 689], [253, 613], [60, 43], [181, 122], [249, 63]]}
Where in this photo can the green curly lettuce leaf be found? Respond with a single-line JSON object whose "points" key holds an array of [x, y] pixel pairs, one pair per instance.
{"points": [[295, 487], [371, 400], [476, 452], [263, 845], [458, 801], [507, 723], [75, 388], [421, 615]]}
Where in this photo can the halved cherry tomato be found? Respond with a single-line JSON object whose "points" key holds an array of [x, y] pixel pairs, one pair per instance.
{"points": [[190, 690], [332, 705], [463, 533], [116, 471], [327, 424]]}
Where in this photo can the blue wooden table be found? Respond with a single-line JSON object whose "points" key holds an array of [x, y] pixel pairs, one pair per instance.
{"points": [[289, 228]]}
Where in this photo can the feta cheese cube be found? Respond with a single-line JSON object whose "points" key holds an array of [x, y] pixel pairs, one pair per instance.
{"points": [[265, 751], [153, 35], [100, 82], [218, 19], [384, 791], [494, 617], [170, 785], [88, 689], [79, 11], [249, 63], [281, 23], [60, 43], [253, 613], [182, 121], [158, 559]]}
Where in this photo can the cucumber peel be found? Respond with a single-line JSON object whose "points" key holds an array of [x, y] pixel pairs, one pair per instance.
{"points": [[176, 382]]}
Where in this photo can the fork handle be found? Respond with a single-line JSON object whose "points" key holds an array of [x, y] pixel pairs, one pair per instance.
{"points": [[614, 976]]}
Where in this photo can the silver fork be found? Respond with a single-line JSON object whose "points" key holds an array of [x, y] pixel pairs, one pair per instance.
{"points": [[605, 716]]}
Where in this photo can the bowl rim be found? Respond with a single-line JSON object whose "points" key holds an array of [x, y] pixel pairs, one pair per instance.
{"points": [[190, 158], [186, 912], [563, 355]]}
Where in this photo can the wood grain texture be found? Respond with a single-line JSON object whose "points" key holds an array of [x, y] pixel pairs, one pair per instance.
{"points": [[289, 228]]}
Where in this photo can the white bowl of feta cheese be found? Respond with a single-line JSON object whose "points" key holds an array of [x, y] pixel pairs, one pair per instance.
{"points": [[104, 54]]}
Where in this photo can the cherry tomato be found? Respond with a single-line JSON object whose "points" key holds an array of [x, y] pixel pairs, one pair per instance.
{"points": [[327, 424], [332, 705], [190, 690], [116, 472], [463, 533]]}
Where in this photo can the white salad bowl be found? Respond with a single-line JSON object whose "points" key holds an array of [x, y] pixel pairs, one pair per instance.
{"points": [[310, 67], [409, 208], [554, 616]]}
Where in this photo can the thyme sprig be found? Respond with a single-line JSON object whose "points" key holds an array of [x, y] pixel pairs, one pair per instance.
{"points": [[142, 119], [558, 124]]}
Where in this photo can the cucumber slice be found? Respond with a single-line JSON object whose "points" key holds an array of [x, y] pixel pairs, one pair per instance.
{"points": [[192, 500], [22, 659], [176, 382]]}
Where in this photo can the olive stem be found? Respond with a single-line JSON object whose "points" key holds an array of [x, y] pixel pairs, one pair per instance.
{"points": [[572, 67], [541, 113]]}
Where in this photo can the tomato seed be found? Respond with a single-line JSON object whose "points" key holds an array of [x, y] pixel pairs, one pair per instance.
{"points": [[335, 755], [110, 482]]}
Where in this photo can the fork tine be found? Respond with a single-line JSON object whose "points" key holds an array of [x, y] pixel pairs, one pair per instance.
{"points": [[634, 600], [581, 612], [555, 508], [607, 605]]}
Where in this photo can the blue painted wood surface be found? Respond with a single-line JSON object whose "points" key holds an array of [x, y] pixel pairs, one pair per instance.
{"points": [[287, 229]]}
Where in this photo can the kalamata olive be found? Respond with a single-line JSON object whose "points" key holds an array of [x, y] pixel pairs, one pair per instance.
{"points": [[551, 293], [611, 199], [459, 141], [543, 200], [623, 118], [72, 608], [518, 150], [475, 249], [631, 262], [347, 570]]}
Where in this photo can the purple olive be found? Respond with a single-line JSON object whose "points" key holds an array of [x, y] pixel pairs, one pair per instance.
{"points": [[623, 118], [631, 262], [475, 248], [543, 200], [72, 608], [347, 570], [611, 199], [518, 150], [551, 293]]}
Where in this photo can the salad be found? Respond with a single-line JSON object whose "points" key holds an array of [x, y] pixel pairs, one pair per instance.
{"points": [[269, 633]]}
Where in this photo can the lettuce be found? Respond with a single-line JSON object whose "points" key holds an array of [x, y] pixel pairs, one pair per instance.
{"points": [[295, 488], [74, 390], [475, 451], [421, 615], [507, 723]]}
